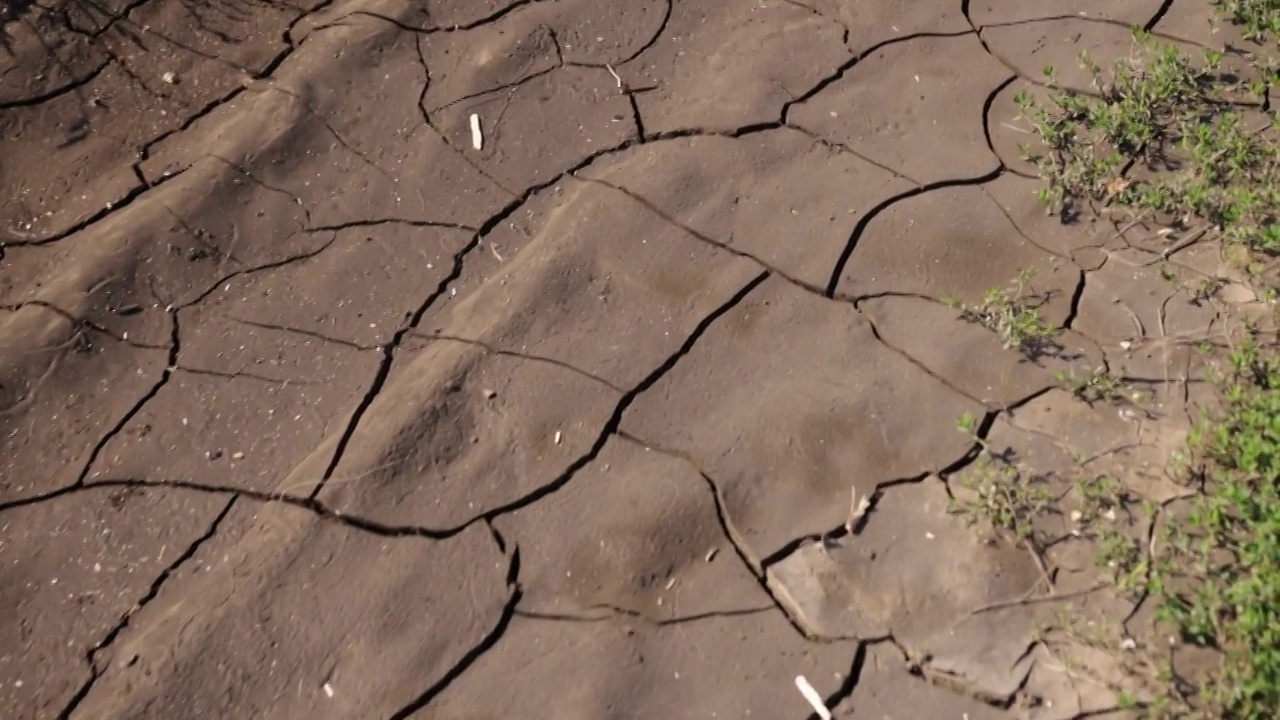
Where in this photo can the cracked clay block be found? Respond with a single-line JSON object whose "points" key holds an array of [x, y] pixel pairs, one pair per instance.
{"points": [[1030, 12], [888, 690], [955, 243], [707, 71], [1146, 323], [263, 622], [917, 573], [779, 196], [787, 403], [636, 530], [974, 359], [632, 285], [51, 375], [914, 107], [719, 666], [70, 569]]}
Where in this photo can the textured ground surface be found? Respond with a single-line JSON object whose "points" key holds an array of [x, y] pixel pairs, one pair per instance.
{"points": [[310, 409]]}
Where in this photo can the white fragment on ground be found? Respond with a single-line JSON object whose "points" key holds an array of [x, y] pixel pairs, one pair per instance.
{"points": [[558, 436], [815, 700], [477, 137], [328, 690], [170, 78]]}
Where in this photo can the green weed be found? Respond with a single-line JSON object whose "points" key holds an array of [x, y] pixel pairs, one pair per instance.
{"points": [[999, 493], [1013, 314]]}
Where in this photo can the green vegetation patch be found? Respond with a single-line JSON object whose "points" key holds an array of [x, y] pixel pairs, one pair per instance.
{"points": [[1182, 142], [1218, 573]]}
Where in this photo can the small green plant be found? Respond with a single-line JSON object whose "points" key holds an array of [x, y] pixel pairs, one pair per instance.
{"points": [[1222, 561], [1013, 314], [1002, 495], [1097, 386], [1100, 496], [1121, 555], [999, 493]]}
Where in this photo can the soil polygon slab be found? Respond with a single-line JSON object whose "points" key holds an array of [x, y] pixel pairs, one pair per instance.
{"points": [[43, 58], [1030, 219], [597, 34], [367, 146], [778, 196], [208, 48], [139, 262], [449, 14], [458, 431], [707, 70], [973, 360], [1105, 439], [887, 690], [788, 402], [234, 431], [586, 33], [916, 573], [954, 243], [881, 23], [634, 531], [491, 58], [632, 285], [1147, 326], [360, 290], [86, 140], [62, 396], [719, 666], [542, 127], [1013, 136], [915, 107], [73, 567], [283, 612], [1057, 43], [1207, 24], [1002, 12]]}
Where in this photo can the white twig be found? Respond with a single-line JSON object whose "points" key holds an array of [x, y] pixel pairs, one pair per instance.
{"points": [[813, 697], [857, 508], [477, 137]]}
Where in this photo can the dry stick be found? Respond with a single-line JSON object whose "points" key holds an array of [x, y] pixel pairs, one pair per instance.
{"points": [[857, 509], [1136, 221], [1026, 598], [614, 73], [1044, 571], [1164, 254]]}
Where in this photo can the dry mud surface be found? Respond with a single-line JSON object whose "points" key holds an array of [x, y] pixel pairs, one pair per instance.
{"points": [[310, 409]]}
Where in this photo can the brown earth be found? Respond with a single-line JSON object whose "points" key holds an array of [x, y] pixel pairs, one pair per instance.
{"points": [[310, 409]]}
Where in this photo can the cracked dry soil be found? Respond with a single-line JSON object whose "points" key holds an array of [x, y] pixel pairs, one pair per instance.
{"points": [[310, 409]]}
